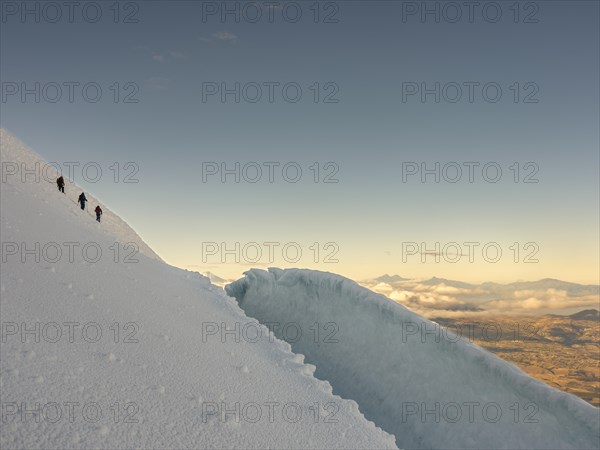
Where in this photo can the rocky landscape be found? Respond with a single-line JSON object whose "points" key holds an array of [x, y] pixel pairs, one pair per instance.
{"points": [[562, 351]]}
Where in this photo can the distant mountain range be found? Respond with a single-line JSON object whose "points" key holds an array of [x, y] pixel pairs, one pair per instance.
{"points": [[586, 314], [546, 283], [545, 296], [390, 278]]}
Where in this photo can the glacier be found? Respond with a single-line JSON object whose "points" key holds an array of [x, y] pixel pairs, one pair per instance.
{"points": [[162, 376], [152, 378], [428, 386]]}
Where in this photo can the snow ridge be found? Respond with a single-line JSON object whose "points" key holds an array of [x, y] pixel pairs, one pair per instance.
{"points": [[14, 152], [386, 358], [171, 379]]}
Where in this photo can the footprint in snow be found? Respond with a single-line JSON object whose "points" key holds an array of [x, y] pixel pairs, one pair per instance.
{"points": [[159, 389], [12, 372], [75, 439], [195, 398], [28, 354], [234, 422]]}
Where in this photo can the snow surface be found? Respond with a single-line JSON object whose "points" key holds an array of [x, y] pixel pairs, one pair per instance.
{"points": [[444, 394], [166, 379]]}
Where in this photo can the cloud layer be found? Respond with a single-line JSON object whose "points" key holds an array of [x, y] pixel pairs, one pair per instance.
{"points": [[447, 298]]}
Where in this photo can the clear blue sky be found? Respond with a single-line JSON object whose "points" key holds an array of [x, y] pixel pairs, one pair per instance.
{"points": [[367, 55]]}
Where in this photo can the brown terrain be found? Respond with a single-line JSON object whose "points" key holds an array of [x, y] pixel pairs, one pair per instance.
{"points": [[562, 351]]}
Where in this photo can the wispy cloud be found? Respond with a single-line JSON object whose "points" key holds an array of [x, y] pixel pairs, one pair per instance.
{"points": [[158, 83], [177, 55], [161, 56], [225, 36], [452, 299], [439, 255], [549, 299], [158, 57]]}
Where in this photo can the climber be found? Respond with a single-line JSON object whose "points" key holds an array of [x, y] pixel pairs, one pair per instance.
{"points": [[82, 200], [98, 211], [60, 182]]}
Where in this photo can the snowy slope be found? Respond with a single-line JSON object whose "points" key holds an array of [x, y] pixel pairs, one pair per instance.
{"points": [[162, 373], [429, 387], [15, 152]]}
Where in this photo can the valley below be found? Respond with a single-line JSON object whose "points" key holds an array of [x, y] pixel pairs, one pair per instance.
{"points": [[562, 351]]}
